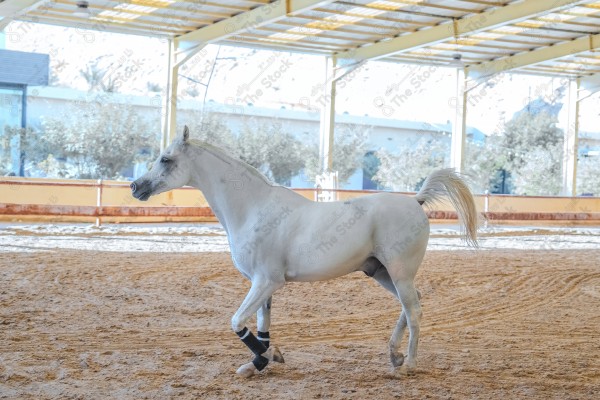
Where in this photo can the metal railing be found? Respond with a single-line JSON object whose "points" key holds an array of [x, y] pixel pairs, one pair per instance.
{"points": [[99, 210]]}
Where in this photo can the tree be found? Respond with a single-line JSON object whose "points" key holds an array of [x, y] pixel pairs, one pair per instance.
{"points": [[483, 161], [26, 142], [540, 172], [93, 74], [284, 157], [371, 164], [532, 148], [349, 147], [268, 148], [407, 169], [527, 131], [588, 170], [211, 128], [264, 145], [252, 144], [95, 77], [5, 149], [108, 138]]}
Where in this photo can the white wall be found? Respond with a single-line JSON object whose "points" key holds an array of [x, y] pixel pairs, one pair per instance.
{"points": [[52, 102]]}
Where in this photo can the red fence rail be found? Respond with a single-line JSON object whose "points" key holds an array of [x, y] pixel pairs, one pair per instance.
{"points": [[99, 210], [104, 211], [206, 212]]}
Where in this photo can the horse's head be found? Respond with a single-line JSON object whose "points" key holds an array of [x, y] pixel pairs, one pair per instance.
{"points": [[170, 171]]}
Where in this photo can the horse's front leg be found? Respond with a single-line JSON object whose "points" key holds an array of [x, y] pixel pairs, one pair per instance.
{"points": [[263, 322], [257, 297]]}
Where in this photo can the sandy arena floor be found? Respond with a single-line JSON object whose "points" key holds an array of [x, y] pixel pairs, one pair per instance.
{"points": [[105, 323]]}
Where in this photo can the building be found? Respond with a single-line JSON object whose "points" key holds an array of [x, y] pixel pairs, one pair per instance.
{"points": [[43, 102], [18, 71]]}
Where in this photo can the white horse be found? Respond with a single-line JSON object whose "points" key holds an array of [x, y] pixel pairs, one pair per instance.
{"points": [[277, 236]]}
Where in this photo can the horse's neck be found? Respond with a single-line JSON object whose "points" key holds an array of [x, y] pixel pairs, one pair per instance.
{"points": [[231, 188]]}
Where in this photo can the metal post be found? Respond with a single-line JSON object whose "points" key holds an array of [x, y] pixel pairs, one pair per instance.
{"points": [[486, 207], [327, 129], [169, 114], [571, 141], [459, 128], [327, 179], [99, 203], [23, 135]]}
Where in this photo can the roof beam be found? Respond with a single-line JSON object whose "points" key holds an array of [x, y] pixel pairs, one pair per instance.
{"points": [[589, 85], [528, 58], [248, 20], [9, 9], [469, 24]]}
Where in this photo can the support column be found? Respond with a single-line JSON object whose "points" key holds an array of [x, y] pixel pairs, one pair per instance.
{"points": [[571, 141], [459, 127], [169, 112], [327, 127], [328, 177]]}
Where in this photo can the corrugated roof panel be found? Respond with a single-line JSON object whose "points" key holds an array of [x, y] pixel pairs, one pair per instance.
{"points": [[337, 26], [22, 68]]}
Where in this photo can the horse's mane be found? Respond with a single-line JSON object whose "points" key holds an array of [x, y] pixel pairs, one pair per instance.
{"points": [[227, 158]]}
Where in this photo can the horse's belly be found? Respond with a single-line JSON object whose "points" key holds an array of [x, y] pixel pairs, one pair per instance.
{"points": [[326, 263]]}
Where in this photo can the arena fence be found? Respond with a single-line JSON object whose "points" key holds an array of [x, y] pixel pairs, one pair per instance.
{"points": [[110, 201]]}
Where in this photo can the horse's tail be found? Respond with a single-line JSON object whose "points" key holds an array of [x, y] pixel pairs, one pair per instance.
{"points": [[448, 183]]}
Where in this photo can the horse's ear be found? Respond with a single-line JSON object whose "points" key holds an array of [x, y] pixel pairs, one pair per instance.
{"points": [[186, 134]]}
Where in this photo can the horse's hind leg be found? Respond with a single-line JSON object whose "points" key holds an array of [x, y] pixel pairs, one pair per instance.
{"points": [[382, 277], [396, 357], [411, 317]]}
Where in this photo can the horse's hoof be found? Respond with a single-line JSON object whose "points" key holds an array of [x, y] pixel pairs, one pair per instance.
{"points": [[397, 359], [275, 355], [408, 371], [246, 370]]}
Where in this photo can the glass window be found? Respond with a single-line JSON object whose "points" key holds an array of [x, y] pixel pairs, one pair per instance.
{"points": [[11, 122]]}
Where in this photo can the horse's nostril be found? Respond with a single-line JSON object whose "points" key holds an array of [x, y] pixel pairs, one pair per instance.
{"points": [[133, 187]]}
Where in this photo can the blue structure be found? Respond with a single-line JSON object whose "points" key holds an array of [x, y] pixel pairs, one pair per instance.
{"points": [[17, 71]]}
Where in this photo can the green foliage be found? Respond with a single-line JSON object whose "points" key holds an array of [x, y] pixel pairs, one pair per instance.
{"points": [[371, 164], [211, 129], [279, 154], [5, 145], [407, 169], [253, 143], [96, 77], [264, 145], [5, 149], [28, 142], [588, 170], [93, 75], [540, 172], [526, 132], [268, 148], [532, 150], [105, 140], [350, 145], [482, 163]]}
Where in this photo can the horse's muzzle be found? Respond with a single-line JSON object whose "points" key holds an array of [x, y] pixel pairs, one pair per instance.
{"points": [[141, 190]]}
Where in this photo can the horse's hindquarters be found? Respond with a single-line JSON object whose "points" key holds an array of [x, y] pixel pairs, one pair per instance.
{"points": [[401, 235], [337, 238]]}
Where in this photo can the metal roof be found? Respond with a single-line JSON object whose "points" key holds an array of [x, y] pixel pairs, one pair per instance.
{"points": [[557, 37], [19, 68]]}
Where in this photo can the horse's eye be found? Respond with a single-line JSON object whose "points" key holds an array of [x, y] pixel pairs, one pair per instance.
{"points": [[165, 160]]}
